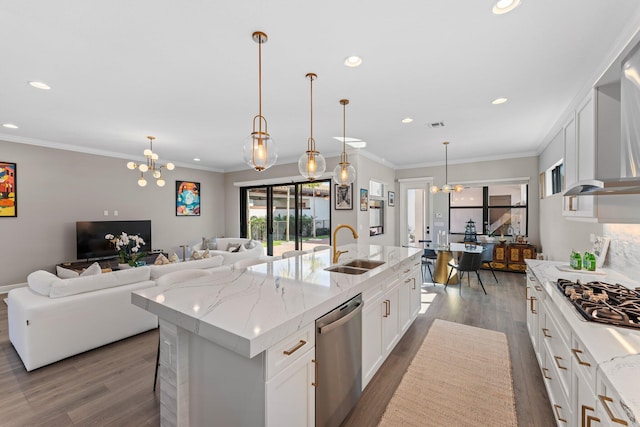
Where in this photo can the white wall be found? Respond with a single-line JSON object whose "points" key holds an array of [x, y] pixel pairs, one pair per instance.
{"points": [[56, 188]]}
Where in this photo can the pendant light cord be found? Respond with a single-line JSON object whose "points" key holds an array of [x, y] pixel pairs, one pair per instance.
{"points": [[260, 82]]}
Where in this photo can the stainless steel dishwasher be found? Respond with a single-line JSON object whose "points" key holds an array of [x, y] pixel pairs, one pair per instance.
{"points": [[339, 362]]}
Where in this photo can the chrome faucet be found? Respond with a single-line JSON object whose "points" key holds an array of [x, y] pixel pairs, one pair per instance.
{"points": [[336, 252]]}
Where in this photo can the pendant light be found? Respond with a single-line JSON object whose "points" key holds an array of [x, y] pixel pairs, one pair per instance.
{"points": [[150, 165], [311, 163], [344, 174], [260, 151], [446, 188]]}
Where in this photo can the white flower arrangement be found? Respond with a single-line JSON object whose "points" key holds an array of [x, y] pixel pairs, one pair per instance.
{"points": [[128, 247]]}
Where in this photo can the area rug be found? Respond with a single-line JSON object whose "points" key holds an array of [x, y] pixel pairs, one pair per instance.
{"points": [[460, 376]]}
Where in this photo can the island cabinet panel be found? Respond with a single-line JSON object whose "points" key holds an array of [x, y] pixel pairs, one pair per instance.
{"points": [[290, 395], [372, 356]]}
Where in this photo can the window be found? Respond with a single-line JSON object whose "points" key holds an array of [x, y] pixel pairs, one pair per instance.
{"points": [[556, 179], [496, 209]]}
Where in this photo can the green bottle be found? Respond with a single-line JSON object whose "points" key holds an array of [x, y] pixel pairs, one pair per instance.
{"points": [[589, 262], [575, 260]]}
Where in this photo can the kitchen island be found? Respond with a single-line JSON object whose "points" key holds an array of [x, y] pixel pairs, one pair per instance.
{"points": [[591, 370], [237, 348]]}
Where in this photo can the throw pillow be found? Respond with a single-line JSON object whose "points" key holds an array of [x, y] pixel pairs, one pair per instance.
{"points": [[161, 260], [195, 255], [174, 258], [65, 273], [211, 244], [243, 248], [234, 247], [250, 244], [40, 282], [92, 270], [206, 254]]}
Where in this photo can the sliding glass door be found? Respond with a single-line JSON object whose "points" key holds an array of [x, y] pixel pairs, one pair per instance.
{"points": [[287, 217]]}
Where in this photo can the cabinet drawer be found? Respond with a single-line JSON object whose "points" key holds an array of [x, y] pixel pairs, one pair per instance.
{"points": [[287, 351], [610, 409], [559, 367], [583, 361], [558, 399]]}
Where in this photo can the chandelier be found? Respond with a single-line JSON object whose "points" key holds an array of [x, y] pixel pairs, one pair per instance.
{"points": [[260, 151], [446, 188], [150, 165], [311, 163], [344, 174]]}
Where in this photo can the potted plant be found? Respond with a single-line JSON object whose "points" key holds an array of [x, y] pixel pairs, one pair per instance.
{"points": [[127, 247]]}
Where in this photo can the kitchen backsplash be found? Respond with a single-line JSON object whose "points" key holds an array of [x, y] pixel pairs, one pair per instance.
{"points": [[624, 248]]}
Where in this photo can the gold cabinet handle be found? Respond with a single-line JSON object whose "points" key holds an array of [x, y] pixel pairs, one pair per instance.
{"points": [[557, 408], [538, 288], [544, 373], [586, 419], [407, 280], [545, 332], [294, 348], [315, 382], [414, 283], [533, 310], [526, 293], [407, 270], [558, 359], [605, 402], [386, 308], [576, 352]]}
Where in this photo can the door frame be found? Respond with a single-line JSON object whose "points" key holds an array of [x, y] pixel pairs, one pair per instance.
{"points": [[425, 184]]}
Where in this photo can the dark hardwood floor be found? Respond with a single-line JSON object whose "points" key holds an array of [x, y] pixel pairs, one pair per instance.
{"points": [[112, 385]]}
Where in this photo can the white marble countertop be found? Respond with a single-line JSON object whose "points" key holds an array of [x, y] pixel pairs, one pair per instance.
{"points": [[249, 310], [615, 349]]}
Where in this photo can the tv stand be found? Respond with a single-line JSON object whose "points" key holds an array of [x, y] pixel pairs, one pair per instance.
{"points": [[107, 264]]}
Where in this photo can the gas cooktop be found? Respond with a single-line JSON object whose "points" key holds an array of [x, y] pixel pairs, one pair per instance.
{"points": [[603, 302]]}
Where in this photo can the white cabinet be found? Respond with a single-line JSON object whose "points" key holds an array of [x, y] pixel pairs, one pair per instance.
{"points": [[387, 314], [609, 407], [372, 357], [579, 160], [290, 395]]}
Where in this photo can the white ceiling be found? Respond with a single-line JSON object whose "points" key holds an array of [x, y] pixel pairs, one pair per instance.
{"points": [[187, 73]]}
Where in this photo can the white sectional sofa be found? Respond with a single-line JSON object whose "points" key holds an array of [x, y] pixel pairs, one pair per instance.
{"points": [[248, 249], [55, 318]]}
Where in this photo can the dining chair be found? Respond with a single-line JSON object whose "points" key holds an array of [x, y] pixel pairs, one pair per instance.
{"points": [[469, 261], [487, 258], [429, 257]]}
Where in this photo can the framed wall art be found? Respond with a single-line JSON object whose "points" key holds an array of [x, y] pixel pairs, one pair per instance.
{"points": [[8, 192], [392, 198], [364, 199], [344, 197], [187, 198]]}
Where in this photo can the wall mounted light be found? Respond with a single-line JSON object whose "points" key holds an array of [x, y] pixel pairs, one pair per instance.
{"points": [[260, 151], [311, 163]]}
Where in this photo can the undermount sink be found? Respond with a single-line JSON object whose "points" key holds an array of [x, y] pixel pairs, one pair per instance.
{"points": [[357, 266], [364, 263], [347, 270]]}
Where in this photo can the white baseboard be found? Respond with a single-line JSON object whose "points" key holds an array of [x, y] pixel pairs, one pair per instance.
{"points": [[6, 288]]}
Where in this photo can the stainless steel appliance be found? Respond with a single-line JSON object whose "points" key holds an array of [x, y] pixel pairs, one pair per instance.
{"points": [[603, 302], [339, 362]]}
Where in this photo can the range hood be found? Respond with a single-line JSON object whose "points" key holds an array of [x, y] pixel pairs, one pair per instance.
{"points": [[595, 187], [627, 180]]}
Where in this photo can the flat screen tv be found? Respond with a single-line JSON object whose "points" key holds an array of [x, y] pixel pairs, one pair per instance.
{"points": [[90, 241]]}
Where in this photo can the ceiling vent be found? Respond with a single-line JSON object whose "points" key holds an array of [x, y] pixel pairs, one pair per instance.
{"points": [[436, 125]]}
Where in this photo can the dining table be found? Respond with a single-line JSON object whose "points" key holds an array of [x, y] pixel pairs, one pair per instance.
{"points": [[445, 255]]}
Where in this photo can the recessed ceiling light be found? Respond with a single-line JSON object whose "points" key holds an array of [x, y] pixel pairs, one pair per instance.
{"points": [[353, 61], [499, 101], [407, 120], [195, 159], [504, 6], [40, 85], [357, 144], [10, 126]]}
